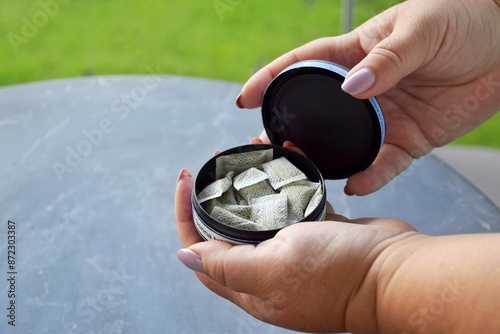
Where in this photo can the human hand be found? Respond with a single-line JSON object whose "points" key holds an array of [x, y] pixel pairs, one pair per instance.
{"points": [[312, 276], [435, 66]]}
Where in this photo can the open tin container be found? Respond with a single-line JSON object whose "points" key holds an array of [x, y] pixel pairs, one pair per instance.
{"points": [[339, 134]]}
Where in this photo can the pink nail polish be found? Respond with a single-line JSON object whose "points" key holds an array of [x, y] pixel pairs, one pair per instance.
{"points": [[359, 82], [190, 259], [184, 172]]}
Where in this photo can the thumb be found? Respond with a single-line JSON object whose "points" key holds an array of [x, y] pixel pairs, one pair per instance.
{"points": [[199, 255], [230, 266], [392, 59]]}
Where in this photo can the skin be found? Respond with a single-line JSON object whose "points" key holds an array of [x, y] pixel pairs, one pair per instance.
{"points": [[377, 275]]}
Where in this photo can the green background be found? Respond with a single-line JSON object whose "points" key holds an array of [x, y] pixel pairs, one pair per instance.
{"points": [[222, 39]]}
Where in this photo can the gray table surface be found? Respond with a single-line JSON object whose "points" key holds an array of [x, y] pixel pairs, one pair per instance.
{"points": [[88, 172]]}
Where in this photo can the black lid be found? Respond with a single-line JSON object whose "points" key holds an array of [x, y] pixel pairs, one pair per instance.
{"points": [[306, 105]]}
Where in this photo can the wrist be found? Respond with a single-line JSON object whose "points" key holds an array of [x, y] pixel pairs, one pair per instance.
{"points": [[439, 284], [394, 292], [366, 310]]}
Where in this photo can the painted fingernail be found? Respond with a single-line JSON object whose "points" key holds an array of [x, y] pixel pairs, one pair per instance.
{"points": [[184, 173], [238, 102], [190, 259], [359, 82]]}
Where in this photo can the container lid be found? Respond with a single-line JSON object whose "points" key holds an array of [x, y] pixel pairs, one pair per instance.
{"points": [[305, 104]]}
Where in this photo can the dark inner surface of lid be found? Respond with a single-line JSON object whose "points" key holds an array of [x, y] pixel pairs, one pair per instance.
{"points": [[335, 130]]}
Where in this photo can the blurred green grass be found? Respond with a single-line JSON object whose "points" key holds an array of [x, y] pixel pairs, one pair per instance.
{"points": [[223, 39]]}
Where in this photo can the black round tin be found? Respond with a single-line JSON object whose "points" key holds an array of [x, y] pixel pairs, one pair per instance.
{"points": [[212, 229], [305, 104]]}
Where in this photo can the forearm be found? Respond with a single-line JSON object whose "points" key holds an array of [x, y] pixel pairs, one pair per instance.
{"points": [[440, 285]]}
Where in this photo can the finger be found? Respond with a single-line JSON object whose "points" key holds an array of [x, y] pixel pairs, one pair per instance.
{"points": [[381, 223], [183, 210], [394, 56], [188, 234], [225, 289], [193, 261], [256, 141], [394, 224], [264, 138], [217, 152], [390, 162], [232, 267], [336, 218], [340, 49], [329, 208], [331, 215], [288, 144]]}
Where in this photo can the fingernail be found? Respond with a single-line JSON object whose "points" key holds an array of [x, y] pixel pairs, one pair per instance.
{"points": [[238, 102], [288, 144], [184, 173], [255, 141], [359, 82], [190, 259]]}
